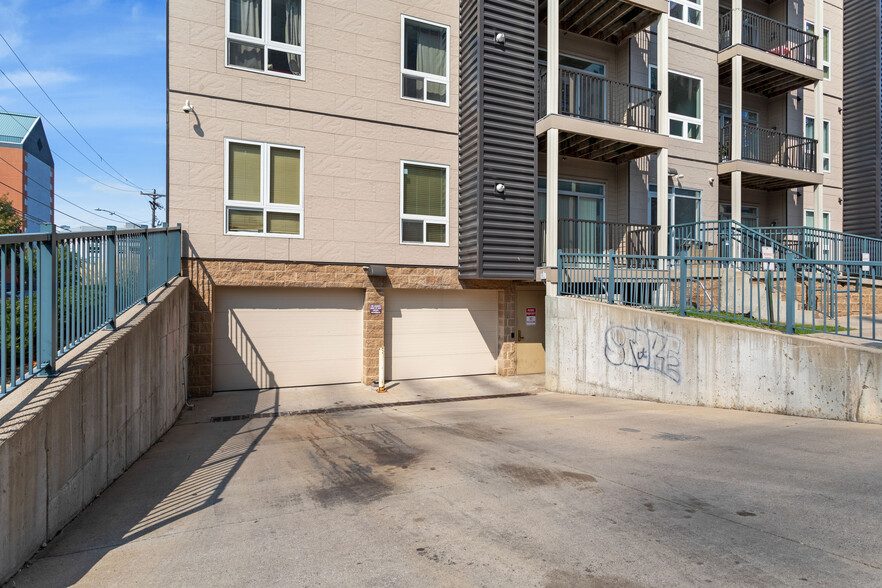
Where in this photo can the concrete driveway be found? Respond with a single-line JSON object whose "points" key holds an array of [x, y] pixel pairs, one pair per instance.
{"points": [[508, 490]]}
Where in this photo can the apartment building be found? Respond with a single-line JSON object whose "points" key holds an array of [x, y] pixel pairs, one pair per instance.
{"points": [[862, 118], [27, 170], [357, 175]]}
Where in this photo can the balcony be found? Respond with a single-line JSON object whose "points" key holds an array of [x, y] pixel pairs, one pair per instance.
{"points": [[770, 160], [590, 237], [601, 119], [611, 21], [778, 58]]}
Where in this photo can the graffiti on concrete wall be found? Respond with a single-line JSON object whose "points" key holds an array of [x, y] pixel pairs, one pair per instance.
{"points": [[644, 350]]}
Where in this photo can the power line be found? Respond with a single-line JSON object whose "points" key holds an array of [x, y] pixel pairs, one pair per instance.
{"points": [[66, 139], [55, 209], [52, 190], [65, 116]]}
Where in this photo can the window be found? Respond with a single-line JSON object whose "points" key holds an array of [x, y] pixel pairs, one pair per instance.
{"points": [[581, 96], [688, 11], [810, 219], [577, 63], [266, 36], [684, 205], [264, 189], [425, 56], [684, 106], [748, 117], [424, 214], [576, 200], [825, 55], [824, 142], [749, 214]]}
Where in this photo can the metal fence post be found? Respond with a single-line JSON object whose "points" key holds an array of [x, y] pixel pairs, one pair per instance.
{"points": [[144, 265], [111, 277], [611, 286], [683, 283], [790, 293], [166, 261], [560, 272], [47, 292]]}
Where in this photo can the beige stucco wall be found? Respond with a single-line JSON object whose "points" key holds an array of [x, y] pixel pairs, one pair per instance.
{"points": [[347, 114]]}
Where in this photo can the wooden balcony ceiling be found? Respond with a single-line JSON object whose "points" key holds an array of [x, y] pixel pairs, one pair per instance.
{"points": [[762, 182], [761, 78], [598, 148], [611, 21]]}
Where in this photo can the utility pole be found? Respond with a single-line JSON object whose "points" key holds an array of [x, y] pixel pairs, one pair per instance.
{"points": [[154, 205]]}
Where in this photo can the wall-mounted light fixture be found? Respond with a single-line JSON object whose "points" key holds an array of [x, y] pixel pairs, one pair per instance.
{"points": [[500, 38], [500, 188], [188, 108]]}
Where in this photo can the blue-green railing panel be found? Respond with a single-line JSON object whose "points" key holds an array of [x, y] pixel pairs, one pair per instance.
{"points": [[58, 289], [789, 293]]}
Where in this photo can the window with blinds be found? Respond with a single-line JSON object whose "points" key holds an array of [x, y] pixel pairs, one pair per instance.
{"points": [[424, 203], [264, 191]]}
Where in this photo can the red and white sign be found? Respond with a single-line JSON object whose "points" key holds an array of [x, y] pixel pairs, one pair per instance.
{"points": [[376, 309], [531, 317], [531, 312], [865, 257], [768, 253]]}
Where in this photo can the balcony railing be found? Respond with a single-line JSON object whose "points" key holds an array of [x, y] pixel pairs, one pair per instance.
{"points": [[771, 36], [587, 236], [772, 147], [596, 98]]}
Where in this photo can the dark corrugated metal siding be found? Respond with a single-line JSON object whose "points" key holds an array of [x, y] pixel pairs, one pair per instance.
{"points": [[862, 118], [497, 232]]}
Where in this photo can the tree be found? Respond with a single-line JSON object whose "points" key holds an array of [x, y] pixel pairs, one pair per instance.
{"points": [[10, 220]]}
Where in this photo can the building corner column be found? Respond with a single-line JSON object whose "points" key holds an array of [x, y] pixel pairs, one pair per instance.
{"points": [[662, 178], [374, 331], [819, 117]]}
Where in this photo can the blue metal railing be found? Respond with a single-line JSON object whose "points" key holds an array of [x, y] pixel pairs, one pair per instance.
{"points": [[794, 295], [58, 289]]}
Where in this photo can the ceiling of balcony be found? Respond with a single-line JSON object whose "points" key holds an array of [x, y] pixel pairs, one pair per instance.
{"points": [[611, 21], [598, 148], [765, 79]]}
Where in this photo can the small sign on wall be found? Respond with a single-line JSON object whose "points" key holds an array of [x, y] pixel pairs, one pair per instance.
{"points": [[768, 253], [376, 309], [531, 317], [865, 257]]}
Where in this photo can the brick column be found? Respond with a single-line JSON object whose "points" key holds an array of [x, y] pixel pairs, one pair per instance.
{"points": [[200, 337], [374, 330], [506, 363]]}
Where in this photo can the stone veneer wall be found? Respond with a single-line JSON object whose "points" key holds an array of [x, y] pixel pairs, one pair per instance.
{"points": [[206, 275]]}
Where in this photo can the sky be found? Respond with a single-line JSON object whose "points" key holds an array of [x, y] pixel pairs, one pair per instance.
{"points": [[103, 63]]}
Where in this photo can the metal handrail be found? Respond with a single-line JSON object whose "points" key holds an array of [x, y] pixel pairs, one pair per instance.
{"points": [[590, 236], [771, 36], [58, 289], [592, 97], [771, 147]]}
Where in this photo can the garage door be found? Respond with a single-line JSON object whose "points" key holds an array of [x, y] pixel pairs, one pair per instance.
{"points": [[275, 337], [441, 333]]}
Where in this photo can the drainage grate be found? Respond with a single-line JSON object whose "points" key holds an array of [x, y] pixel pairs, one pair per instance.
{"points": [[287, 413]]}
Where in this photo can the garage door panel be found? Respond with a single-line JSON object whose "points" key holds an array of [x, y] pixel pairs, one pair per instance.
{"points": [[269, 337], [441, 333]]}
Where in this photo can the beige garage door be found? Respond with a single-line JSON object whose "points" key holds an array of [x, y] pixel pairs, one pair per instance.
{"points": [[441, 333], [275, 337]]}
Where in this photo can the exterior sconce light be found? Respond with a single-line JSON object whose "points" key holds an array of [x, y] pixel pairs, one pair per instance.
{"points": [[500, 38], [500, 188]]}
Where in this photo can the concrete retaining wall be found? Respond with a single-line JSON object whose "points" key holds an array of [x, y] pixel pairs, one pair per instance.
{"points": [[599, 349], [65, 439]]}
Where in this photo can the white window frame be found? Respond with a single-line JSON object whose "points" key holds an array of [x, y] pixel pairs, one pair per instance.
{"points": [[825, 62], [688, 119], [264, 203], [687, 4], [601, 183], [672, 191], [824, 215], [426, 77], [436, 220], [827, 130], [267, 42]]}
